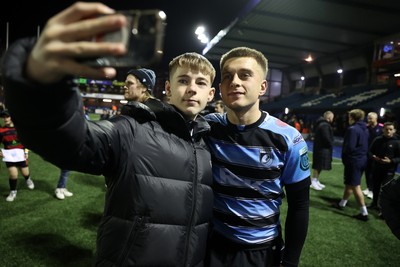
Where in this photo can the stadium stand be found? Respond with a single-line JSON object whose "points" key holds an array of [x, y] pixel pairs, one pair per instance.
{"points": [[349, 98], [390, 100]]}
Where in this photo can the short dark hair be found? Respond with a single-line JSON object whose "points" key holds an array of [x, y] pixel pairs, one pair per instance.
{"points": [[390, 123]]}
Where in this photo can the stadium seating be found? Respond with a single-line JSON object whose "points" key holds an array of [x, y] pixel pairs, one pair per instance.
{"points": [[353, 97]]}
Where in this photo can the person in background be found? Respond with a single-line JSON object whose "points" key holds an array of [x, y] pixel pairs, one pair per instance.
{"points": [[354, 158], [105, 115], [303, 127], [375, 130], [385, 154], [61, 190], [389, 201], [139, 84], [219, 107], [322, 149], [255, 156], [86, 112], [155, 162], [294, 122], [113, 111], [10, 141]]}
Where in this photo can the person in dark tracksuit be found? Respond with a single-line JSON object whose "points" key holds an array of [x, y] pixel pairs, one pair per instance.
{"points": [[385, 154], [354, 158]]}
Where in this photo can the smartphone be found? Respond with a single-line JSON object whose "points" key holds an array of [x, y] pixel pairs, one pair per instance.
{"points": [[143, 37]]}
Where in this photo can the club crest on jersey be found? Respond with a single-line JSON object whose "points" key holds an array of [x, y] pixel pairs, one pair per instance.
{"points": [[304, 164], [265, 157]]}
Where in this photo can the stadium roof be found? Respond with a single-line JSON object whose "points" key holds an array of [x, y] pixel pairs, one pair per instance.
{"points": [[286, 31], [289, 31]]}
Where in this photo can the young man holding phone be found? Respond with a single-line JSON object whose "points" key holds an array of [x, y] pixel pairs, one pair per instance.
{"points": [[155, 162]]}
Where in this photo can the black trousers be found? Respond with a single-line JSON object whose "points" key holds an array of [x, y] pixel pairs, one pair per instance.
{"points": [[380, 175], [224, 253]]}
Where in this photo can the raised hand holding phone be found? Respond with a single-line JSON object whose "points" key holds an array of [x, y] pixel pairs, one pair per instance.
{"points": [[66, 44], [143, 36]]}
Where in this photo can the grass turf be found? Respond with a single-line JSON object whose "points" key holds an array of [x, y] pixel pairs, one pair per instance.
{"points": [[39, 230]]}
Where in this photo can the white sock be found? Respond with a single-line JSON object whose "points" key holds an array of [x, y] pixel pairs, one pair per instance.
{"points": [[364, 210], [343, 202]]}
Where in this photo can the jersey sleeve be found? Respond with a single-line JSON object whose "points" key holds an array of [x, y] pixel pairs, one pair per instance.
{"points": [[297, 166]]}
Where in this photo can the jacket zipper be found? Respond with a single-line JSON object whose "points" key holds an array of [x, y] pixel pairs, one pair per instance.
{"points": [[194, 202]]}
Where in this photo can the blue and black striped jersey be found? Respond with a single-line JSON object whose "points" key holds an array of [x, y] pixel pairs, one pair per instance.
{"points": [[251, 165]]}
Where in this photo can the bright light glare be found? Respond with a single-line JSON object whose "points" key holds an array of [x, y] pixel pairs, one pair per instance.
{"points": [[382, 112], [203, 38], [302, 78], [162, 15], [286, 111], [200, 30], [339, 71], [107, 100], [202, 35], [309, 58]]}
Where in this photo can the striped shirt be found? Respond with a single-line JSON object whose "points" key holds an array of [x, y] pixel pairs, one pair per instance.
{"points": [[251, 164], [9, 138]]}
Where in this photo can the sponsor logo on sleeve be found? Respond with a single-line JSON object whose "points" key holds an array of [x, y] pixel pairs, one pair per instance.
{"points": [[298, 139]]}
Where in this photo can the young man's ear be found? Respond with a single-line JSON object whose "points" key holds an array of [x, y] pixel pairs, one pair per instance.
{"points": [[167, 88], [264, 87]]}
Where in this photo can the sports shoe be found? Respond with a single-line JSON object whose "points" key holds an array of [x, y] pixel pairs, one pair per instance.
{"points": [[59, 193], [11, 196], [30, 184], [320, 185], [370, 195], [361, 217], [365, 192], [66, 192], [314, 184]]}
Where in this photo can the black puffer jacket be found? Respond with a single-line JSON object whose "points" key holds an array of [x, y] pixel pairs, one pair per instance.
{"points": [[159, 198]]}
